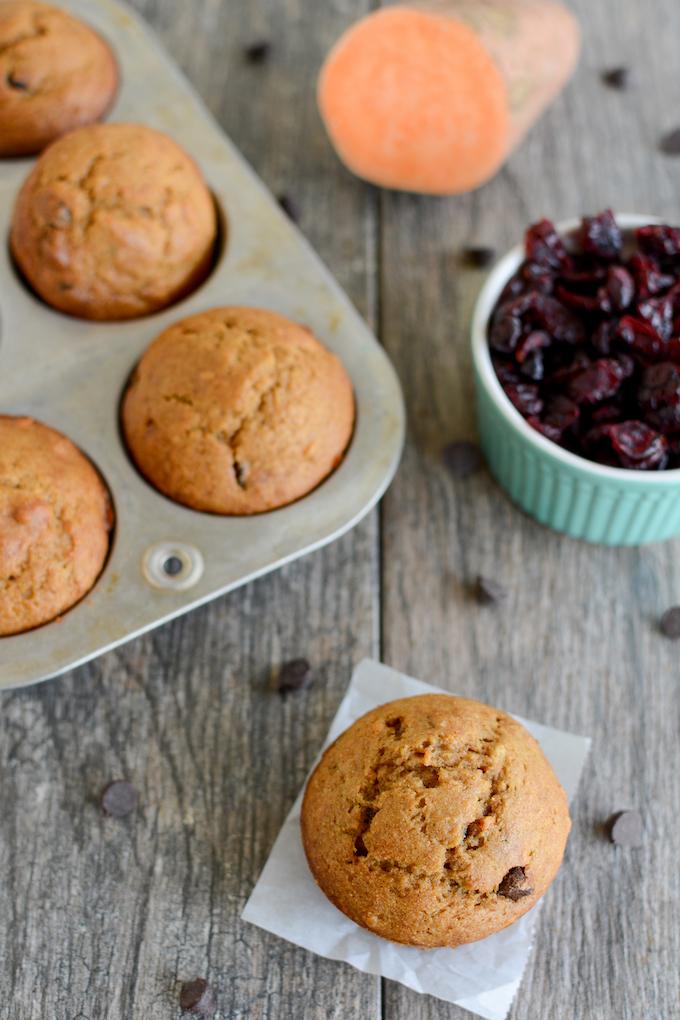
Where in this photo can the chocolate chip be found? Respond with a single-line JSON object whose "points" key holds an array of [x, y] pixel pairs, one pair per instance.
{"points": [[617, 77], [669, 624], [16, 83], [119, 799], [293, 676], [479, 256], [462, 458], [670, 143], [514, 885], [197, 997], [625, 829], [489, 592], [258, 51], [289, 207]]}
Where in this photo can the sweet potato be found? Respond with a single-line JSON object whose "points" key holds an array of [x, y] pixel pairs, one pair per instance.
{"points": [[432, 97]]}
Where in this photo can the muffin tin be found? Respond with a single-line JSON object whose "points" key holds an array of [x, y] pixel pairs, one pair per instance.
{"points": [[69, 373]]}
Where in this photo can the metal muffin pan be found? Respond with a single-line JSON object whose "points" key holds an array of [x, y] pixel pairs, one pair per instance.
{"points": [[70, 374]]}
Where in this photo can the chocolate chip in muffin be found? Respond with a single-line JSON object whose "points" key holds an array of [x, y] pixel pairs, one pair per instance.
{"points": [[119, 799], [462, 458], [488, 591], [16, 83], [669, 624], [625, 829], [514, 885], [294, 676], [197, 997]]}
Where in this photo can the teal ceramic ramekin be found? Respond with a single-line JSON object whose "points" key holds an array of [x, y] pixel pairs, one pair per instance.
{"points": [[613, 506]]}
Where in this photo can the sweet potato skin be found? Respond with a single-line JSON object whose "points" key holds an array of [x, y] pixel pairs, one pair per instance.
{"points": [[433, 96]]}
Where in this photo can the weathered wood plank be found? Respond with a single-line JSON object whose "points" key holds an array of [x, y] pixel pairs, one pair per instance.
{"points": [[575, 645], [98, 919]]}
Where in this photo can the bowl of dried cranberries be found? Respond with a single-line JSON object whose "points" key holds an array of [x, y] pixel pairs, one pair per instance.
{"points": [[576, 349]]}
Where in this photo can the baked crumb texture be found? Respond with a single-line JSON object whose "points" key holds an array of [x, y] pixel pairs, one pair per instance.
{"points": [[56, 74], [114, 221], [55, 521], [434, 821], [237, 411]]}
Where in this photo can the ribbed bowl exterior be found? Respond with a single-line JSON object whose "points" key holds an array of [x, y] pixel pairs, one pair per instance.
{"points": [[563, 491]]}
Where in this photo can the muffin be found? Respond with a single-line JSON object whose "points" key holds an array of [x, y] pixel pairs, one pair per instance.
{"points": [[237, 410], [56, 74], [55, 520], [114, 221], [434, 821]]}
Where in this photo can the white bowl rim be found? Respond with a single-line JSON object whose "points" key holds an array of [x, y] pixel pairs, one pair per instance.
{"points": [[484, 307]]}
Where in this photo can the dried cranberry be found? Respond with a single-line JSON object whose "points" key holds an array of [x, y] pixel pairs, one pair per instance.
{"points": [[658, 240], [505, 332], [586, 303], [659, 396], [562, 376], [601, 236], [604, 336], [525, 397], [641, 337], [609, 412], [533, 341], [599, 381], [505, 370], [513, 288], [658, 312], [620, 288], [559, 321], [630, 444], [545, 247], [537, 277], [649, 280]]}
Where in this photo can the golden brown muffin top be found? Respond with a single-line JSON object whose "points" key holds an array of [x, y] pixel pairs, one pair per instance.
{"points": [[56, 74], [434, 821], [114, 221], [237, 410], [55, 519]]}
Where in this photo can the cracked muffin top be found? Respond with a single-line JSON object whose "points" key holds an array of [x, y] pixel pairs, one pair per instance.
{"points": [[237, 411], [114, 221], [434, 821], [55, 520], [56, 74]]}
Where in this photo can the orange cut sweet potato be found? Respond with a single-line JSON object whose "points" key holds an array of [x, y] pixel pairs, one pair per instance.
{"points": [[433, 97]]}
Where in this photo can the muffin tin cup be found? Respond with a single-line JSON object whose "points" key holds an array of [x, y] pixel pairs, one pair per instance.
{"points": [[611, 506], [70, 374]]}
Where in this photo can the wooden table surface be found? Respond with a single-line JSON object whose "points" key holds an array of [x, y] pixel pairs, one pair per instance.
{"points": [[100, 919]]}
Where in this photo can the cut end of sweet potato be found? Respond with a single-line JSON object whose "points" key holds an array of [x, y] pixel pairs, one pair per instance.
{"points": [[414, 101]]}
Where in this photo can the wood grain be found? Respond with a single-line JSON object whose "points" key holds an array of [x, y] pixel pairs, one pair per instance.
{"points": [[99, 919]]}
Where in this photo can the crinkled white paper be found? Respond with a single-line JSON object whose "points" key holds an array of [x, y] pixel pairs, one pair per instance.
{"points": [[482, 977]]}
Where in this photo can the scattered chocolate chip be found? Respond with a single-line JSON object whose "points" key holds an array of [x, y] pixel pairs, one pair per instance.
{"points": [[119, 798], [489, 592], [514, 885], [625, 829], [197, 997], [294, 676], [617, 77], [669, 624], [258, 51], [289, 207], [16, 83], [478, 256], [670, 143], [462, 458]]}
